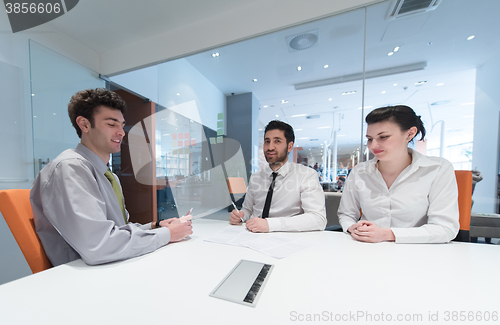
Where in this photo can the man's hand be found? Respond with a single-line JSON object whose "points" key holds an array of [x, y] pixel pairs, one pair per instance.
{"points": [[235, 216], [178, 230], [258, 225], [367, 231]]}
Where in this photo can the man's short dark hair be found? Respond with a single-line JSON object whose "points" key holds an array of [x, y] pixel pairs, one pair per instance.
{"points": [[84, 103], [279, 125]]}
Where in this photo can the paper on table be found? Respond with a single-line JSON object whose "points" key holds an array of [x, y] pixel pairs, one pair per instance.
{"points": [[275, 245], [279, 245], [233, 235]]}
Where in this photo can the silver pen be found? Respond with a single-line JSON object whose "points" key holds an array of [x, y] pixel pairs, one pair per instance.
{"points": [[234, 205]]}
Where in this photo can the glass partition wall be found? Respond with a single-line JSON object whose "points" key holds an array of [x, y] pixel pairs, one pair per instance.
{"points": [[325, 76]]}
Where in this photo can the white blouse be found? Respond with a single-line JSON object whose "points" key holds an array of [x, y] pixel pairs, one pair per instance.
{"points": [[421, 206]]}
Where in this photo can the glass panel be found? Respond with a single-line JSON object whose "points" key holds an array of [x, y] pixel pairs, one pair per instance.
{"points": [[54, 79], [455, 55]]}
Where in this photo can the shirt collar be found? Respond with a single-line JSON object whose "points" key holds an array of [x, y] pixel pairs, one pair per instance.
{"points": [[282, 171], [92, 157]]}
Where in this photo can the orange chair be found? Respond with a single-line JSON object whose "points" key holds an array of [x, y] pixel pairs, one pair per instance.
{"points": [[16, 209], [237, 189], [464, 183]]}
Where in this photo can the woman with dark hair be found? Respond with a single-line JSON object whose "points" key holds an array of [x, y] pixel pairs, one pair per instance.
{"points": [[400, 195]]}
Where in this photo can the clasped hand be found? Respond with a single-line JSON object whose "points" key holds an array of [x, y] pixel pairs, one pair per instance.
{"points": [[367, 231]]}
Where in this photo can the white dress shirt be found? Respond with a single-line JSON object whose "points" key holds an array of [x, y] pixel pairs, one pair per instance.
{"points": [[77, 215], [421, 206], [298, 202]]}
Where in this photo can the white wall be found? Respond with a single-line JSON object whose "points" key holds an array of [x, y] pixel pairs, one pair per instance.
{"points": [[486, 126]]}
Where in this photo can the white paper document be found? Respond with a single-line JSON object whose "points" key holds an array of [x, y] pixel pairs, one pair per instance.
{"points": [[277, 245]]}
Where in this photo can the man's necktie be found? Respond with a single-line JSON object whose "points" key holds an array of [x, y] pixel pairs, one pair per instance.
{"points": [[117, 190], [267, 205]]}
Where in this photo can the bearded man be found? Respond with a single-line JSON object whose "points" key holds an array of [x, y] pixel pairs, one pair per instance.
{"points": [[284, 196]]}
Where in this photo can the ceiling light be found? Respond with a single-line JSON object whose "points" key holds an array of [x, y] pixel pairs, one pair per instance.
{"points": [[304, 139], [167, 134], [365, 107], [470, 37], [383, 92], [297, 130], [440, 84], [467, 116], [214, 55], [418, 83], [396, 49], [254, 80], [284, 101], [299, 115], [472, 103], [349, 92], [277, 115], [260, 129], [32, 95], [390, 53], [359, 76], [178, 94], [341, 135], [299, 68], [325, 66], [265, 106], [329, 99], [395, 84]]}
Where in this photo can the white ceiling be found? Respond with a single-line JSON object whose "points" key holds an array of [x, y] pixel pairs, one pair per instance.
{"points": [[451, 60]]}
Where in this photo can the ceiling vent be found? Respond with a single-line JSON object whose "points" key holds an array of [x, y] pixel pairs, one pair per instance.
{"points": [[404, 8], [302, 41], [310, 117]]}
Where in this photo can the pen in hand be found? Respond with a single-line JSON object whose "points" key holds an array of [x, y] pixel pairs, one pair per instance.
{"points": [[234, 205]]}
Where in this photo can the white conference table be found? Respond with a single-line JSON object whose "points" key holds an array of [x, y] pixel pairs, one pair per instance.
{"points": [[336, 279]]}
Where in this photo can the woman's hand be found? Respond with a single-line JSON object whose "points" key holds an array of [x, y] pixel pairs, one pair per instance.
{"points": [[367, 231]]}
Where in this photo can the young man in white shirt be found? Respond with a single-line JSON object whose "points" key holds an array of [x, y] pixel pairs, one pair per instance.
{"points": [[78, 205], [296, 201]]}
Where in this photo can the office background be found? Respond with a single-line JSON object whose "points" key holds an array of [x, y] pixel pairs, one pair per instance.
{"points": [[170, 61]]}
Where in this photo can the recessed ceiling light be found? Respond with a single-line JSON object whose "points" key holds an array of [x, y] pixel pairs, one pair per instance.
{"points": [[284, 101], [214, 55], [297, 130], [349, 92], [299, 68], [440, 84], [395, 84], [325, 66], [299, 115], [265, 106], [277, 115], [396, 49], [53, 113], [304, 139], [167, 134], [32, 95], [329, 99], [383, 92], [420, 82], [470, 37], [254, 80], [260, 129], [390, 53], [178, 94]]}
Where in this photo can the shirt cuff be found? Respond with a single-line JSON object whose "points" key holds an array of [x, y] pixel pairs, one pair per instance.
{"points": [[274, 224], [164, 235], [413, 235]]}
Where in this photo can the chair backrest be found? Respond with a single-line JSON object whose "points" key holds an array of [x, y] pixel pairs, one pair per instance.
{"points": [[236, 185], [464, 183], [15, 207], [332, 202]]}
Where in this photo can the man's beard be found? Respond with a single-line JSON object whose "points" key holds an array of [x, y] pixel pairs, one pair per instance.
{"points": [[278, 159]]}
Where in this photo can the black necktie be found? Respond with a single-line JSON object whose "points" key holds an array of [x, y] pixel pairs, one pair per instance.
{"points": [[267, 205]]}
